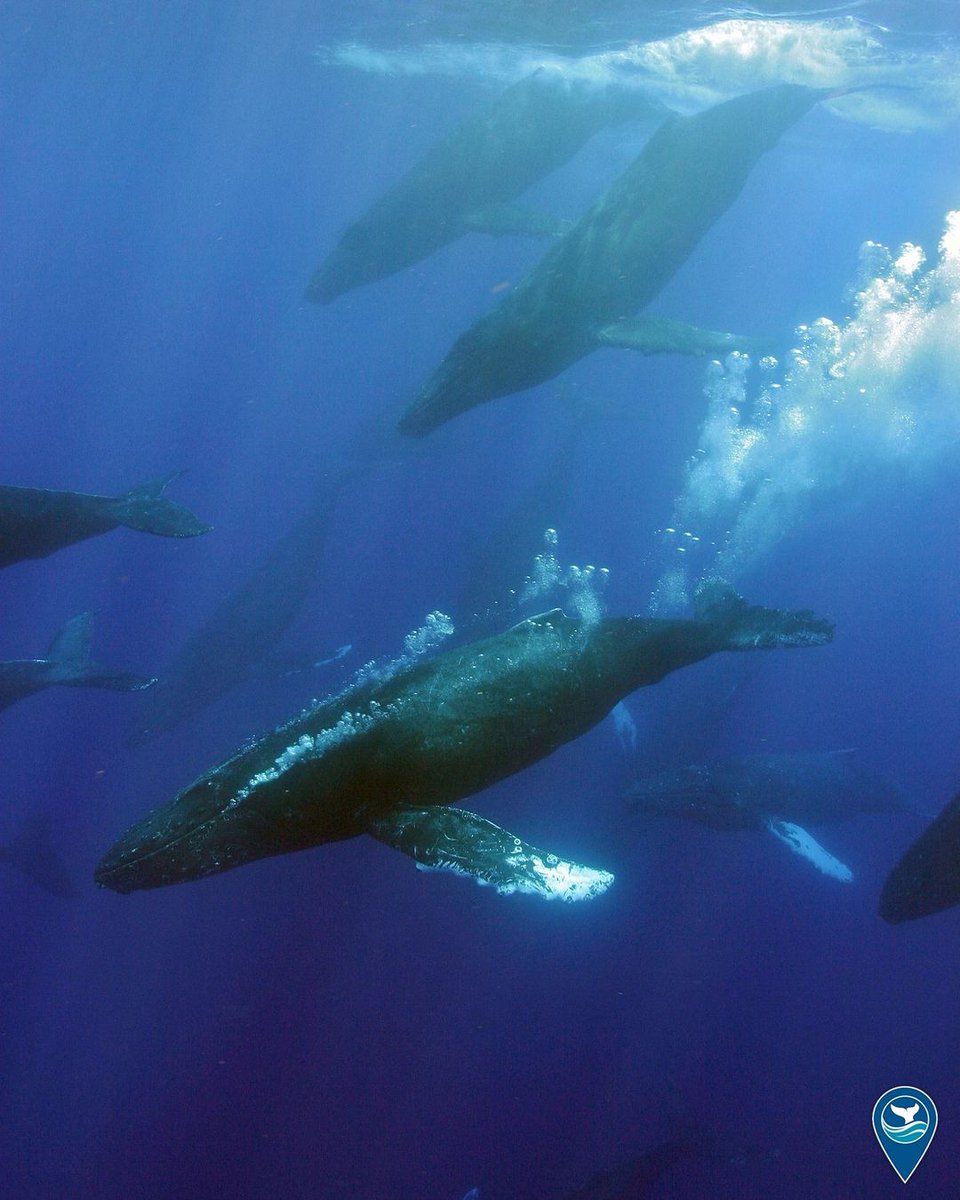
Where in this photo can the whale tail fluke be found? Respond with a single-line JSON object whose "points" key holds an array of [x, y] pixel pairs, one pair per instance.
{"points": [[452, 839], [147, 510], [69, 659], [751, 627]]}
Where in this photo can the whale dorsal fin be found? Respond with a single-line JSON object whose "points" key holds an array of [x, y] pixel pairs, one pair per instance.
{"points": [[807, 846], [452, 839]]}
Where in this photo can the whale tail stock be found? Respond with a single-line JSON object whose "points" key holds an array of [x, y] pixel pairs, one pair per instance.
{"points": [[69, 660], [751, 627], [451, 839], [147, 510]]}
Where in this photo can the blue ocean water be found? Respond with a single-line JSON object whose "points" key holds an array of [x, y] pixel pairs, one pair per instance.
{"points": [[335, 1023]]}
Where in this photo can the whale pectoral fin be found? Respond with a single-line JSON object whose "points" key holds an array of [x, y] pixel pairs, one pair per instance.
{"points": [[660, 335], [451, 839], [499, 220], [800, 842]]}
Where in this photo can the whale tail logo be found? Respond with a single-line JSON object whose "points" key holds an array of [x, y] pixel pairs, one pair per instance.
{"points": [[904, 1120]]}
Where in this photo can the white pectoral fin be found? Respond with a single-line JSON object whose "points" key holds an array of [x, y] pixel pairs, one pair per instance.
{"points": [[451, 839], [661, 335], [809, 848]]}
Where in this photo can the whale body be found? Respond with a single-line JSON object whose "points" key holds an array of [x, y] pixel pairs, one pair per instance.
{"points": [[585, 291], [237, 640], [35, 522], [388, 757], [781, 793], [744, 792]]}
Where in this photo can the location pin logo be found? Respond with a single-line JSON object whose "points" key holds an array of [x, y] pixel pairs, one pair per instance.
{"points": [[904, 1120]]}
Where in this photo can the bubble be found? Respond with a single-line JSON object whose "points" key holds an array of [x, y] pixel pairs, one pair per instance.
{"points": [[881, 387]]}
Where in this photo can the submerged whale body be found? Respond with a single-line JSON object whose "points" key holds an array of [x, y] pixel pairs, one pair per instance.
{"points": [[467, 180], [238, 639], [744, 792], [781, 793], [35, 522], [615, 260], [67, 664], [926, 880], [389, 756]]}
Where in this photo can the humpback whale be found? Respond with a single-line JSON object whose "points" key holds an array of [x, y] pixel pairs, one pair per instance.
{"points": [[35, 522], [467, 180], [237, 640], [617, 258], [67, 664], [389, 756], [926, 880], [777, 792]]}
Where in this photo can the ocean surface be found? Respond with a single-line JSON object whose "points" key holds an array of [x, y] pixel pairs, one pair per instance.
{"points": [[335, 1024]]}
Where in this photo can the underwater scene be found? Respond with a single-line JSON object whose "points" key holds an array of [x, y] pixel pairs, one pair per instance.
{"points": [[480, 667]]}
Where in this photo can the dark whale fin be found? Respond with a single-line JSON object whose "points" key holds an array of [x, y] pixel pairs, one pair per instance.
{"points": [[660, 335], [146, 509], [926, 880], [32, 854], [750, 627], [452, 839], [69, 656]]}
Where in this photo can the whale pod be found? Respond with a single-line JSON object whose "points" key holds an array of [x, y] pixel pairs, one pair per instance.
{"points": [[616, 259], [467, 180]]}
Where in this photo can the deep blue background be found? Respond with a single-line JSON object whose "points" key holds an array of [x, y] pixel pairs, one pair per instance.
{"points": [[336, 1024]]}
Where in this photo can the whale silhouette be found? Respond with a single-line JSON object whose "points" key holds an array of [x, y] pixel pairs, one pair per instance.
{"points": [[238, 639]]}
